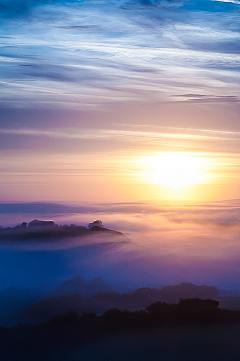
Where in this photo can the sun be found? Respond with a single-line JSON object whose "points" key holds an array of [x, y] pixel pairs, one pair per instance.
{"points": [[174, 170]]}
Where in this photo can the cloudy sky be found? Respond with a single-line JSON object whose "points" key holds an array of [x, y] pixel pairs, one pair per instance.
{"points": [[93, 93], [129, 112]]}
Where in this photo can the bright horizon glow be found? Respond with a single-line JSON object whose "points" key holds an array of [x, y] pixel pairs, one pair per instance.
{"points": [[175, 170]]}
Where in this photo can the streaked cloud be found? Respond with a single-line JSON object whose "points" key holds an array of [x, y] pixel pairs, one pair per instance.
{"points": [[90, 87], [76, 59]]}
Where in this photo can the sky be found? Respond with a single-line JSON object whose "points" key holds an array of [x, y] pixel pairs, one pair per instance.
{"points": [[94, 91], [129, 112]]}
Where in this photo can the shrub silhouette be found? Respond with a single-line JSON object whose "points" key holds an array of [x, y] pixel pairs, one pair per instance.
{"points": [[196, 309]]}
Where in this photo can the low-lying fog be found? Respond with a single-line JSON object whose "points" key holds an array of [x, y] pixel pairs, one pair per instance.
{"points": [[164, 245]]}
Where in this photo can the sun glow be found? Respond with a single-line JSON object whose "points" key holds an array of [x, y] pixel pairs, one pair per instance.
{"points": [[174, 170]]}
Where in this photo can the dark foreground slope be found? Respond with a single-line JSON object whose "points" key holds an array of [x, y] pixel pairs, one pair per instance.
{"points": [[180, 343], [193, 329]]}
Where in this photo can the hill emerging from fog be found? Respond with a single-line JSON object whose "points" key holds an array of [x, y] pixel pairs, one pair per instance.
{"points": [[49, 230]]}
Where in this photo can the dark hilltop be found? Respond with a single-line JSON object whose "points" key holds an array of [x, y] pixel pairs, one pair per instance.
{"points": [[48, 229]]}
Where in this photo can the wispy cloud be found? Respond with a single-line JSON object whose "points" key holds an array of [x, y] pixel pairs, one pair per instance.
{"points": [[230, 1], [127, 135], [139, 55], [87, 87]]}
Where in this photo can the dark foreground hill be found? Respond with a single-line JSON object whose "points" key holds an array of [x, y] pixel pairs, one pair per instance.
{"points": [[193, 329]]}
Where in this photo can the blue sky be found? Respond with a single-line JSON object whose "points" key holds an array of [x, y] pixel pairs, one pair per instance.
{"points": [[80, 54], [89, 86], [86, 86], [90, 92], [86, 54]]}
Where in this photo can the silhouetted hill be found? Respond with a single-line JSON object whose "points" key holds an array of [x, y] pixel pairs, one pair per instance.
{"points": [[79, 285], [81, 295], [100, 303], [187, 290], [36, 230], [65, 332]]}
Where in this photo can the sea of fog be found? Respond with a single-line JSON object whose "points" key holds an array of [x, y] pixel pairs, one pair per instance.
{"points": [[164, 245]]}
